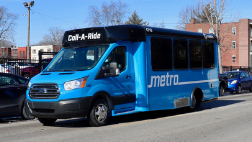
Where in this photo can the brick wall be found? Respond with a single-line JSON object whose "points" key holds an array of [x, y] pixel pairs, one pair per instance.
{"points": [[241, 38]]}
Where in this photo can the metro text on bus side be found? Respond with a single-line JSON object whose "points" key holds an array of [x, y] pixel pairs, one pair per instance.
{"points": [[116, 70]]}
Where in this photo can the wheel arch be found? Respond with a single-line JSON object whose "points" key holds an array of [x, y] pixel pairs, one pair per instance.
{"points": [[102, 95], [198, 93]]}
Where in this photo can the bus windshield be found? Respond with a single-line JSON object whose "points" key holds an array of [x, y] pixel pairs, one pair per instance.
{"points": [[77, 58]]}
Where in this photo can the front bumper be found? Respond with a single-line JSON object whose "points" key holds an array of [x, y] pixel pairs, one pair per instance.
{"points": [[63, 109], [231, 87]]}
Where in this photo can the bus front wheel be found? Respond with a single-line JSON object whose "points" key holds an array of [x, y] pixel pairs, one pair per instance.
{"points": [[99, 114]]}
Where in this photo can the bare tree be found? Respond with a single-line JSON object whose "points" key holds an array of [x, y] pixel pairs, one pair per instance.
{"points": [[193, 12], [160, 25], [185, 15], [210, 12], [53, 38], [7, 23], [109, 14], [215, 17]]}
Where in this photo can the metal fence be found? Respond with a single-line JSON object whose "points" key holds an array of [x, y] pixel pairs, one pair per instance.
{"points": [[237, 68], [23, 67]]}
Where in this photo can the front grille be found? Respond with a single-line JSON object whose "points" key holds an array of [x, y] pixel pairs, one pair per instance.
{"points": [[44, 91]]}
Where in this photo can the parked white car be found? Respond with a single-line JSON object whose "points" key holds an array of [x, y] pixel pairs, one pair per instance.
{"points": [[3, 68], [15, 68]]}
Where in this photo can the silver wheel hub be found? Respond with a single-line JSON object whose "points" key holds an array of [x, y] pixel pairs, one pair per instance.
{"points": [[101, 113]]}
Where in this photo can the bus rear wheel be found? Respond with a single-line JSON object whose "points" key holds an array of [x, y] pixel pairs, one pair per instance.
{"points": [[99, 114], [195, 102]]}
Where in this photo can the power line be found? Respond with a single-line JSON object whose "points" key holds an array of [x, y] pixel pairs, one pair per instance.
{"points": [[54, 17]]}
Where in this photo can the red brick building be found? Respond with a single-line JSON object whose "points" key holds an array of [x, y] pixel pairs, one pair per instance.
{"points": [[5, 52], [237, 49], [22, 53]]}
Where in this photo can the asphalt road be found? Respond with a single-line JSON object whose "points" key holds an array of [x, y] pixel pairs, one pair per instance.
{"points": [[228, 119]]}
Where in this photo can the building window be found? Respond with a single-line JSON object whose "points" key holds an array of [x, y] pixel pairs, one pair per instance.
{"points": [[200, 30], [251, 32], [23, 53], [233, 45], [233, 58], [233, 31], [34, 51], [211, 31], [250, 45], [49, 50], [20, 53]]}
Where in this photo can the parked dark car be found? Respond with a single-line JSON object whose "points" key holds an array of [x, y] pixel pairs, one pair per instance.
{"points": [[12, 96], [238, 81], [223, 83]]}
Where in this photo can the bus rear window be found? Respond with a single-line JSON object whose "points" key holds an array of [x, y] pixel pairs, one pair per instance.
{"points": [[208, 55]]}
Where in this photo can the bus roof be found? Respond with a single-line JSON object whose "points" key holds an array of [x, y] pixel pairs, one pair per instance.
{"points": [[133, 33]]}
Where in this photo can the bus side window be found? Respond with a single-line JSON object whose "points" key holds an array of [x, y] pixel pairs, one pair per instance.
{"points": [[180, 54], [161, 54], [118, 55], [195, 54], [208, 55]]}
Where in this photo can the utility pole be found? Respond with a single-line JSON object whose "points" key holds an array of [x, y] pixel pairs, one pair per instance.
{"points": [[28, 5]]}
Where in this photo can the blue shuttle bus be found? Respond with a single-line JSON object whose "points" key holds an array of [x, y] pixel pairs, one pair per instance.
{"points": [[116, 70]]}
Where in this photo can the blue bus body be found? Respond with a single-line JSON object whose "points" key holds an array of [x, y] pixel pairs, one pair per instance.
{"points": [[96, 93]]}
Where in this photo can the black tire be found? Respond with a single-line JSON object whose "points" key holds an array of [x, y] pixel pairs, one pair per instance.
{"points": [[25, 115], [195, 102], [238, 91], [47, 121], [250, 90], [100, 113], [222, 91], [27, 75]]}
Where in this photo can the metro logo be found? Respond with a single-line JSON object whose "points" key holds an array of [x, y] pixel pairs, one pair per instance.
{"points": [[164, 80]]}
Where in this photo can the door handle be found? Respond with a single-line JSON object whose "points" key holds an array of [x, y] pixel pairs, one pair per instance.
{"points": [[127, 76]]}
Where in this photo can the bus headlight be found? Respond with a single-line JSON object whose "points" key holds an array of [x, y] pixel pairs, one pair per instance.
{"points": [[234, 81], [75, 84]]}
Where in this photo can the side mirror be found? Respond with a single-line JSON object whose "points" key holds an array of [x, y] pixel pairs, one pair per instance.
{"points": [[114, 71], [111, 71]]}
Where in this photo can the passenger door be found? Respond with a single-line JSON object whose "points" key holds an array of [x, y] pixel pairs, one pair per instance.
{"points": [[123, 94], [243, 81]]}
